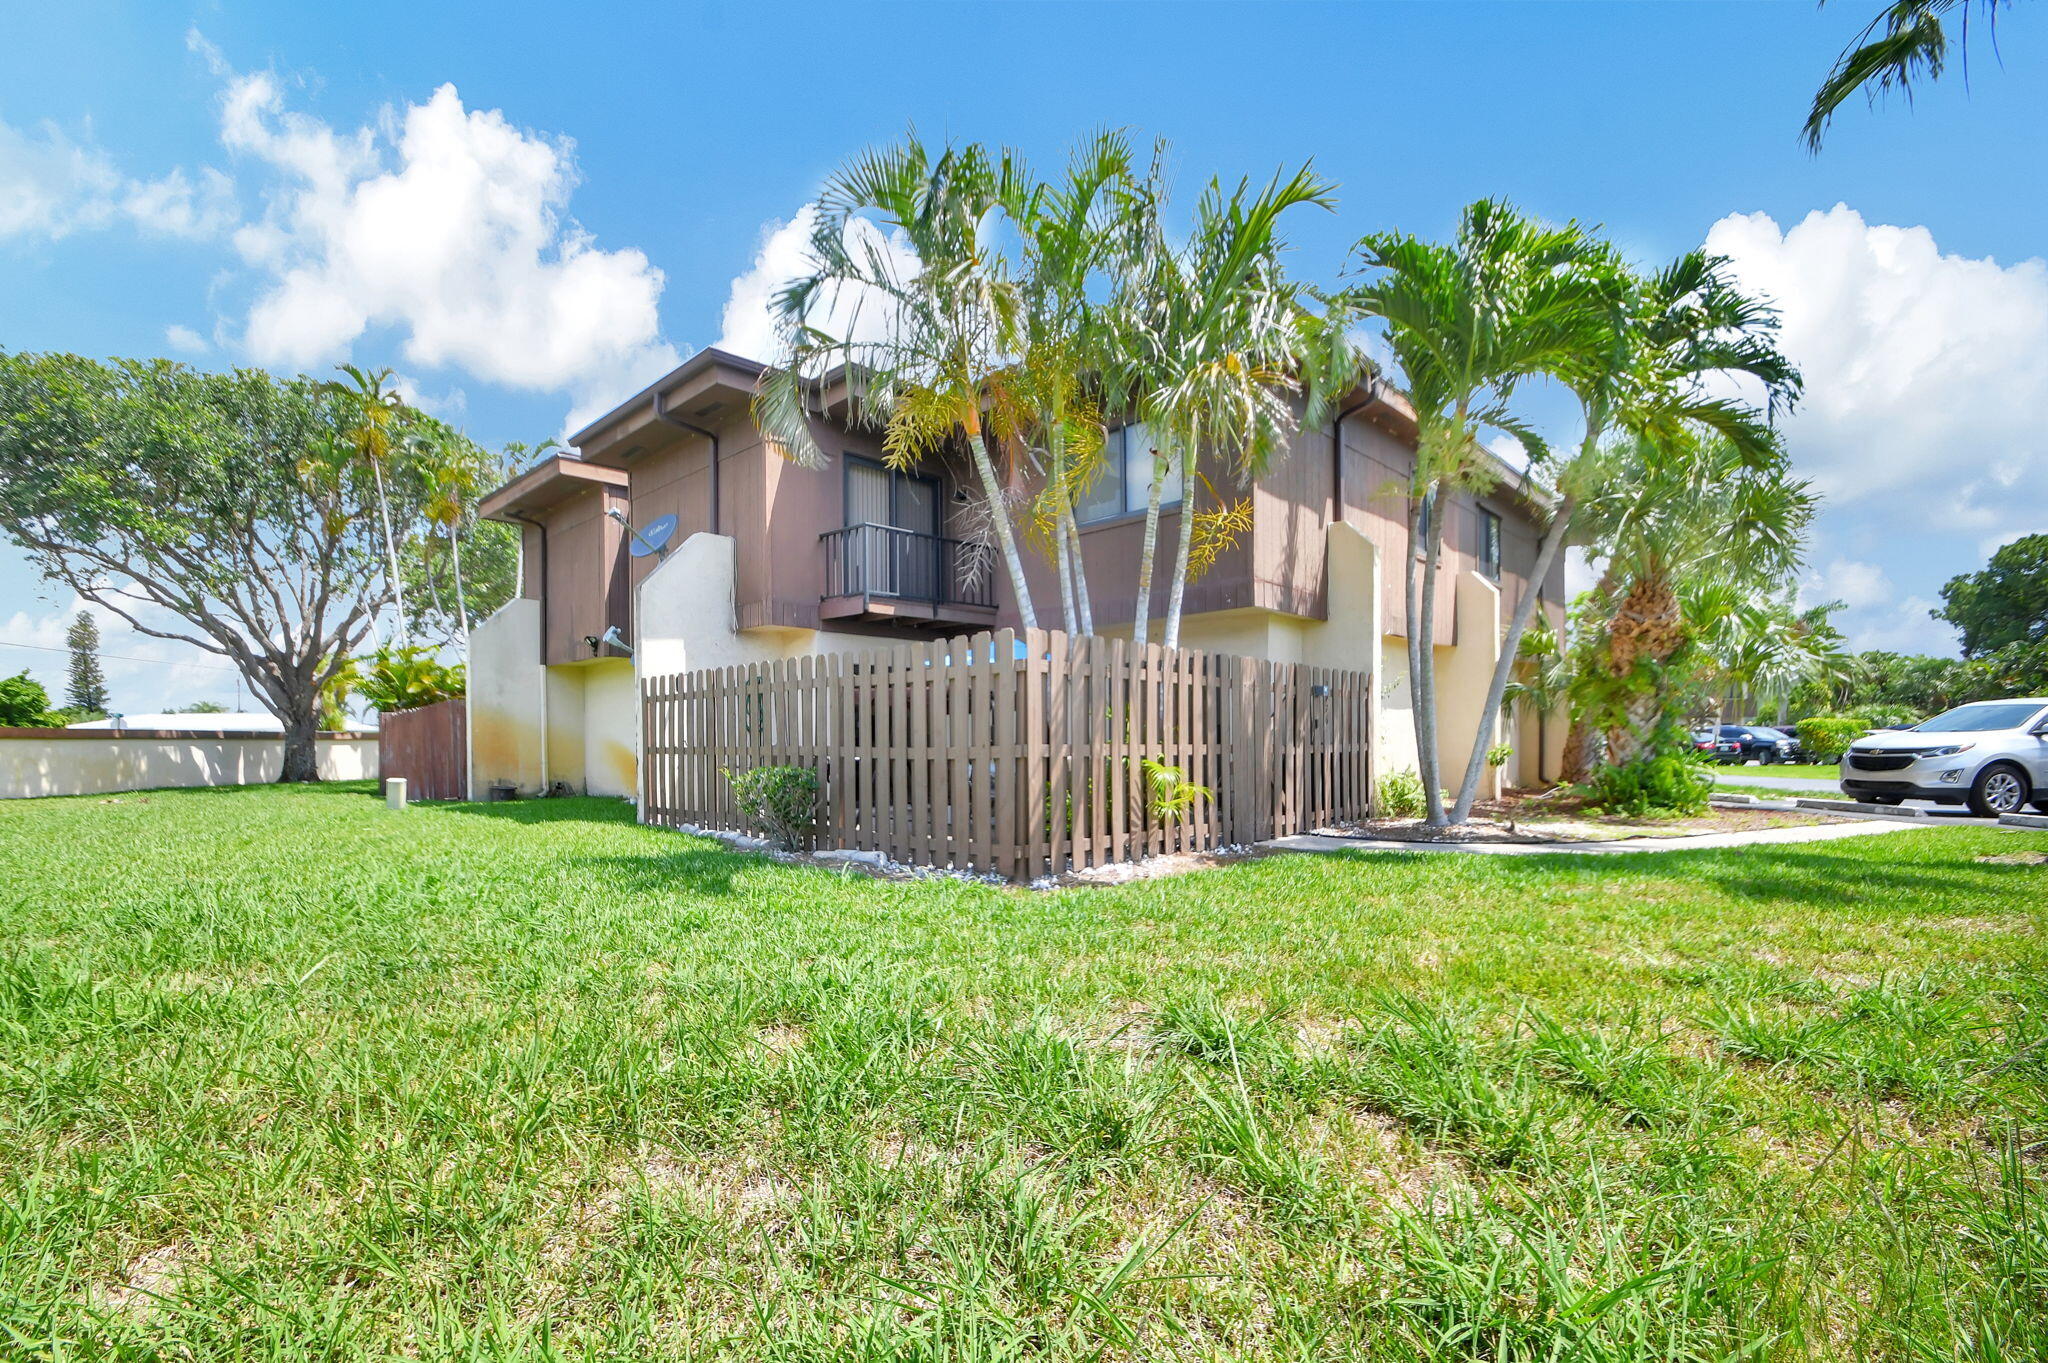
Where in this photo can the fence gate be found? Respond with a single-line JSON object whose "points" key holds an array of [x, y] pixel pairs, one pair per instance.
{"points": [[429, 747], [1018, 753]]}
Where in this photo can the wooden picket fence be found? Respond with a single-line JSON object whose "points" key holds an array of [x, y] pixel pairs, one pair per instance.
{"points": [[1017, 753]]}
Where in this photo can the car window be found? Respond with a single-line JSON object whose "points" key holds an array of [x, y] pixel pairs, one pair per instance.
{"points": [[1983, 717], [1769, 733]]}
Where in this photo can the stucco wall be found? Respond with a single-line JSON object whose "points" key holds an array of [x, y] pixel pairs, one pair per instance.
{"points": [[42, 765], [1462, 676], [507, 696]]}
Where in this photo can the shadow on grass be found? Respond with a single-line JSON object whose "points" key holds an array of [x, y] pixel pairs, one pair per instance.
{"points": [[556, 809], [685, 870]]}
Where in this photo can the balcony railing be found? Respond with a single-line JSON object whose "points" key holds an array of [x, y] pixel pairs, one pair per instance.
{"points": [[883, 561]]}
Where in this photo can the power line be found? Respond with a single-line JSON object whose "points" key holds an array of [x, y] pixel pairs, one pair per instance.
{"points": [[125, 657]]}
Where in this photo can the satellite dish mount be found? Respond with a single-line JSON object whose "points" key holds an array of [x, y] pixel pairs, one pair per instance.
{"points": [[651, 542]]}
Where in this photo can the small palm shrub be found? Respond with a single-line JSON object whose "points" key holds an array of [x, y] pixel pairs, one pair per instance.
{"points": [[1657, 784], [1169, 794], [1398, 795], [781, 801]]}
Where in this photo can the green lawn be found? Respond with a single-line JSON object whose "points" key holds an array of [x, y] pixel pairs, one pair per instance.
{"points": [[1819, 771], [286, 1075]]}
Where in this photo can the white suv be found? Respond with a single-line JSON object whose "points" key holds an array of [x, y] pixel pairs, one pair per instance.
{"points": [[1992, 756]]}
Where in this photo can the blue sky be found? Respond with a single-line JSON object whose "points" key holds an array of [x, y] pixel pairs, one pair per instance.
{"points": [[528, 211]]}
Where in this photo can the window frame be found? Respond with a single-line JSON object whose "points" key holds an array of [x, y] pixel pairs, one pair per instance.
{"points": [[1114, 452], [1492, 543]]}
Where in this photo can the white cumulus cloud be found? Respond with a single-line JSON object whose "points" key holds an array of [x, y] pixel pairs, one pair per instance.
{"points": [[184, 339], [450, 226], [52, 185], [748, 324], [1925, 419]]}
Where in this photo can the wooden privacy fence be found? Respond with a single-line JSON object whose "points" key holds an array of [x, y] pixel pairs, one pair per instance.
{"points": [[1016, 753], [429, 747]]}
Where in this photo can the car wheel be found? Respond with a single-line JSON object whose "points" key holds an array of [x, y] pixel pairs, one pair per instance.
{"points": [[1998, 789]]}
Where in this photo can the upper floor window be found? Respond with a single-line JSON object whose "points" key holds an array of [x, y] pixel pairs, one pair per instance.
{"points": [[1422, 523], [1489, 544], [1125, 483]]}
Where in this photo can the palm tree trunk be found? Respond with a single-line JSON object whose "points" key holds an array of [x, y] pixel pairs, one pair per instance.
{"points": [[1055, 475], [1080, 564], [390, 550], [1063, 565], [1180, 562], [1146, 552], [999, 516], [1504, 666], [1425, 687], [461, 602]]}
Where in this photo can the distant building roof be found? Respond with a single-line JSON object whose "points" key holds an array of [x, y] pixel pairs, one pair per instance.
{"points": [[238, 723]]}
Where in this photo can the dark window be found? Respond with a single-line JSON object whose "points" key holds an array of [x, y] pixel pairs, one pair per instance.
{"points": [[1124, 483], [1422, 530], [1489, 544]]}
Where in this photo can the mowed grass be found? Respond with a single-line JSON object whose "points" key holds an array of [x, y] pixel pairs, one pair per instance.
{"points": [[283, 1075], [1820, 772]]}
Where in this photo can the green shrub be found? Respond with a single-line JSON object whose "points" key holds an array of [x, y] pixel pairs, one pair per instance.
{"points": [[407, 678], [1886, 716], [23, 702], [782, 801], [1399, 796], [1827, 737], [1664, 783]]}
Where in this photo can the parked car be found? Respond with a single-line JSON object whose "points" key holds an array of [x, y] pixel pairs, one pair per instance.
{"points": [[1991, 755], [1709, 744], [1753, 742]]}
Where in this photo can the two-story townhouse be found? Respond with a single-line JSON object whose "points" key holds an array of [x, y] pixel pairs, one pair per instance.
{"points": [[771, 559]]}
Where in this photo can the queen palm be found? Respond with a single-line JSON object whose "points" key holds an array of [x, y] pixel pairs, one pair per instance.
{"points": [[1065, 232], [1670, 516], [372, 433], [1653, 363], [921, 337], [1467, 322], [1205, 348]]}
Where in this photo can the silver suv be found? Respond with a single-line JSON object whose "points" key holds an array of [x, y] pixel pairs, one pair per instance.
{"points": [[1992, 756]]}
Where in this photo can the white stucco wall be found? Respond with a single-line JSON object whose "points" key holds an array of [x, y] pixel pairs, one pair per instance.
{"points": [[1462, 676], [507, 700], [684, 616], [38, 766]]}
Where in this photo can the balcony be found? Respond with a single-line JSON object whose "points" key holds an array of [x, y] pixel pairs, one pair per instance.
{"points": [[879, 573]]}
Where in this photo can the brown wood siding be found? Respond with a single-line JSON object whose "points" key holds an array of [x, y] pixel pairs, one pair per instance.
{"points": [[775, 511], [586, 573]]}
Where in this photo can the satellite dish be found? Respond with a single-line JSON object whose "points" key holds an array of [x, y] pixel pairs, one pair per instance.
{"points": [[652, 540]]}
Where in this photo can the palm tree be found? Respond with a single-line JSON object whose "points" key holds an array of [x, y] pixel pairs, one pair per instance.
{"points": [[1205, 351], [375, 413], [1689, 515], [1509, 299], [1065, 231], [451, 469], [1906, 41], [1645, 365], [924, 336]]}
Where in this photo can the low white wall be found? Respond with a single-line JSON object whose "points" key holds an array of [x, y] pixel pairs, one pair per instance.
{"points": [[94, 762], [507, 700]]}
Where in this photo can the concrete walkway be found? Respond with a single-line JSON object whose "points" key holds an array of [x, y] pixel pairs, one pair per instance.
{"points": [[1763, 837]]}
